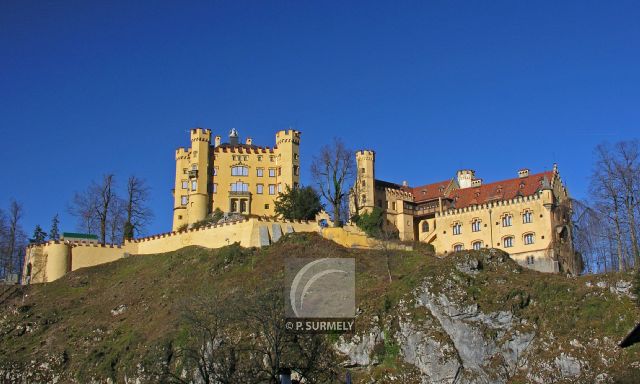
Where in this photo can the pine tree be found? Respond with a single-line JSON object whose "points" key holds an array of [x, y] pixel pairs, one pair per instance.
{"points": [[54, 233], [39, 236]]}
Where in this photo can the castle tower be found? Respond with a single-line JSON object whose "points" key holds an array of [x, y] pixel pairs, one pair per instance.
{"points": [[365, 181], [180, 194], [288, 160], [198, 172]]}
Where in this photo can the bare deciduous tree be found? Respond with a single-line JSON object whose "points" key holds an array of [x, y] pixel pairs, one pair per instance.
{"points": [[94, 206], [12, 240], [334, 170], [243, 339], [137, 212], [610, 221]]}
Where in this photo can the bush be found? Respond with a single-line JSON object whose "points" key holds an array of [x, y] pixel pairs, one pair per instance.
{"points": [[300, 203], [213, 219], [370, 222]]}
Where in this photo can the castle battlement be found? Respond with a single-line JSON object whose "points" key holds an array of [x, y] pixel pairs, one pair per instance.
{"points": [[288, 136], [201, 134], [493, 204], [399, 193]]}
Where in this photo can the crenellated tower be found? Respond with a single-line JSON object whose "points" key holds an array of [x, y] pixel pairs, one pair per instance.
{"points": [[190, 196], [365, 181], [198, 173], [288, 159]]}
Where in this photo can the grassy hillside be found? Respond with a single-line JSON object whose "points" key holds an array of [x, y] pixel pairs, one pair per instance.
{"points": [[118, 320]]}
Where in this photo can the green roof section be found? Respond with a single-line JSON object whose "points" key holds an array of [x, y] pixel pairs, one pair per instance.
{"points": [[79, 235]]}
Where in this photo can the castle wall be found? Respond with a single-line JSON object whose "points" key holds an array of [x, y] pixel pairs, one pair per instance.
{"points": [[89, 255], [51, 261]]}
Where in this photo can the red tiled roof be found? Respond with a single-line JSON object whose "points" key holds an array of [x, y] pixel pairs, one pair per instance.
{"points": [[499, 190], [429, 191]]}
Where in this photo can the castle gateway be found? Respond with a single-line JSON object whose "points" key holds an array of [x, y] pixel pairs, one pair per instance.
{"points": [[528, 216], [232, 176]]}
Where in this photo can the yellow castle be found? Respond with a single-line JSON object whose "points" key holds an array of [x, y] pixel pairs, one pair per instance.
{"points": [[232, 176], [528, 216]]}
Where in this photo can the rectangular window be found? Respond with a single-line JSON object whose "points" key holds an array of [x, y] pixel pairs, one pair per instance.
{"points": [[266, 206], [260, 172], [215, 187], [239, 187], [393, 205], [279, 171], [279, 188], [259, 157], [296, 170], [527, 217], [184, 200], [215, 171], [506, 221], [185, 184], [239, 171], [475, 226], [259, 189], [457, 229], [194, 185], [272, 172], [272, 189]]}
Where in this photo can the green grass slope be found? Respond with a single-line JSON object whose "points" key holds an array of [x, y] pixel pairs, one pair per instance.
{"points": [[118, 320]]}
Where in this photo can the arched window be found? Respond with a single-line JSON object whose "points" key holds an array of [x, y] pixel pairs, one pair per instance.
{"points": [[529, 238], [28, 269], [425, 226], [458, 247], [507, 220], [508, 241], [457, 228], [477, 245], [475, 225]]}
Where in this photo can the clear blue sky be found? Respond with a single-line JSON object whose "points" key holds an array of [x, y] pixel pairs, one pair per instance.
{"points": [[93, 87]]}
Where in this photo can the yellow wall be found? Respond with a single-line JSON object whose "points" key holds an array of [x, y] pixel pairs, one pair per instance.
{"points": [[89, 255], [492, 233], [52, 260]]}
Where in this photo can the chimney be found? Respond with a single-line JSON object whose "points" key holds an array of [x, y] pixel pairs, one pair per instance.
{"points": [[233, 137], [465, 176], [249, 141], [217, 141], [523, 173]]}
